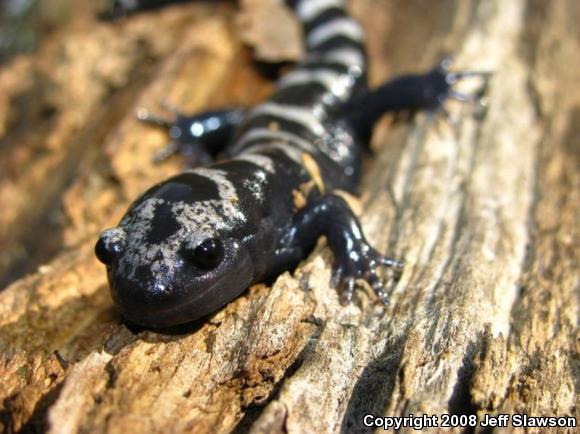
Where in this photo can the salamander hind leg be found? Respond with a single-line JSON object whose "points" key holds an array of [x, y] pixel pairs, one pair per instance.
{"points": [[354, 257], [198, 138], [428, 91]]}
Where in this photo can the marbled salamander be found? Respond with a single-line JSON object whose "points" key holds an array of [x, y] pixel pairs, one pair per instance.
{"points": [[194, 242]]}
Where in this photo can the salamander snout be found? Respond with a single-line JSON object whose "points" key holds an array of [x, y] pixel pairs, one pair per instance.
{"points": [[173, 281], [110, 244]]}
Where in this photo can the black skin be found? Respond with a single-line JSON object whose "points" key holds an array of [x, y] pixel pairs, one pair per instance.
{"points": [[354, 257], [412, 92], [281, 236], [273, 235]]}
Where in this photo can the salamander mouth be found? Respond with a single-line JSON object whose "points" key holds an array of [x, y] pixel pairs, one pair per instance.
{"points": [[224, 289]]}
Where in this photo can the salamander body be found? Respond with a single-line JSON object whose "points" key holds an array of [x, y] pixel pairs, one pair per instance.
{"points": [[191, 244]]}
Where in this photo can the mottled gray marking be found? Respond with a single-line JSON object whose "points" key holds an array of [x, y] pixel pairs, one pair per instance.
{"points": [[337, 145], [138, 251], [226, 188], [292, 152], [256, 183], [337, 84], [261, 161], [196, 221], [349, 57], [339, 27], [306, 10], [113, 236], [267, 134], [300, 115]]}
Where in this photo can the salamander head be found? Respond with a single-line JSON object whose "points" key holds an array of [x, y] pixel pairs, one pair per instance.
{"points": [[174, 257]]}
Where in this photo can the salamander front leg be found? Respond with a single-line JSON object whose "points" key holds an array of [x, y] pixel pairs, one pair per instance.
{"points": [[199, 138], [354, 257]]}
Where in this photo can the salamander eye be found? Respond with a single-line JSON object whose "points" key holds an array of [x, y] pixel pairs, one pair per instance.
{"points": [[109, 245], [208, 254]]}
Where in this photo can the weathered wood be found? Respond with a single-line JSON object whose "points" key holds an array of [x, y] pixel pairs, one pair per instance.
{"points": [[485, 213]]}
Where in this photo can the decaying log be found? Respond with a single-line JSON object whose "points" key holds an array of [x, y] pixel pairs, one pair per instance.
{"points": [[485, 211]]}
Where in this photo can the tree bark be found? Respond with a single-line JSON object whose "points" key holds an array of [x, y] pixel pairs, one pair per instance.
{"points": [[485, 211]]}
